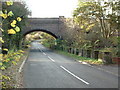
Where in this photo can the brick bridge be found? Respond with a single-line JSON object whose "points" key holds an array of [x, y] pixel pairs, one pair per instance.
{"points": [[51, 26]]}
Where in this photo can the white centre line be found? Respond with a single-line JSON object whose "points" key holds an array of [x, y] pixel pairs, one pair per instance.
{"points": [[51, 59], [40, 50], [74, 75], [44, 53]]}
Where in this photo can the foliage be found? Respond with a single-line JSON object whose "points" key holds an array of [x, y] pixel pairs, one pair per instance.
{"points": [[12, 22], [118, 54], [48, 40], [12, 58], [95, 26], [92, 14]]}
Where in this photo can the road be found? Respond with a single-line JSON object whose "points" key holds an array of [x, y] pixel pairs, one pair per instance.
{"points": [[47, 69]]}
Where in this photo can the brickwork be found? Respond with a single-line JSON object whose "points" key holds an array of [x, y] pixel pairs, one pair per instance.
{"points": [[48, 25]]}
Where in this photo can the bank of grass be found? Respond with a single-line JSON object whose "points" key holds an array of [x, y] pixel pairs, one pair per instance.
{"points": [[80, 58], [46, 45]]}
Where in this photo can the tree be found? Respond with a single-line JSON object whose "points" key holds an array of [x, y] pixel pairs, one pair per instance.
{"points": [[20, 13], [90, 14]]}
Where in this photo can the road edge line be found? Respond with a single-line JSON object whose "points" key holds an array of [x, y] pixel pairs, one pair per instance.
{"points": [[21, 66], [20, 69]]}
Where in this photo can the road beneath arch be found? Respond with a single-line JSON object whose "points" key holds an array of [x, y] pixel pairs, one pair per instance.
{"points": [[47, 69]]}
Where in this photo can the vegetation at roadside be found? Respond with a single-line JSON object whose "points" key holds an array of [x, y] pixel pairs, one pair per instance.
{"points": [[94, 26], [9, 61], [13, 22], [80, 58], [11, 25]]}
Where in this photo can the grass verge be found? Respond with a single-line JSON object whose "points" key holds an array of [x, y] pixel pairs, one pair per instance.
{"points": [[19, 79], [11, 78], [80, 58]]}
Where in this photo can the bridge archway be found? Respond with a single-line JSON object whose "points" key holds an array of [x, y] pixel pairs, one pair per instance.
{"points": [[42, 30]]}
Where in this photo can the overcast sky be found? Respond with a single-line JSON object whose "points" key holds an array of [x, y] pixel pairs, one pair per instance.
{"points": [[51, 8]]}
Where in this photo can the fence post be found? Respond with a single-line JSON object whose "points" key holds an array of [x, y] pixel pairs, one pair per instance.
{"points": [[69, 49], [88, 52], [80, 52], [96, 54], [77, 51], [74, 51], [107, 57], [84, 53]]}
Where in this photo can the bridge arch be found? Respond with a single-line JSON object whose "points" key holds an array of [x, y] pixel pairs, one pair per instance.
{"points": [[42, 30], [52, 26]]}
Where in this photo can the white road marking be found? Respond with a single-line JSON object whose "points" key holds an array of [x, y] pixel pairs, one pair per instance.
{"points": [[20, 69], [74, 75], [40, 50], [84, 63], [51, 59], [44, 53]]}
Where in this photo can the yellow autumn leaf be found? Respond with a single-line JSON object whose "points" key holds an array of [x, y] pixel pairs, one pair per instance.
{"points": [[11, 31], [19, 19], [8, 78], [1, 40], [14, 21], [5, 77], [17, 29], [1, 29], [9, 3], [14, 63], [82, 27], [89, 27], [2, 68], [13, 24], [10, 13], [4, 16], [5, 60], [21, 51], [5, 49]]}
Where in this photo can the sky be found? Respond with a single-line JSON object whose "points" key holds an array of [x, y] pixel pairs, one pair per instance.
{"points": [[51, 8]]}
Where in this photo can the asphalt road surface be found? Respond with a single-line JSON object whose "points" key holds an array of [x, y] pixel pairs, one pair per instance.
{"points": [[47, 69]]}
